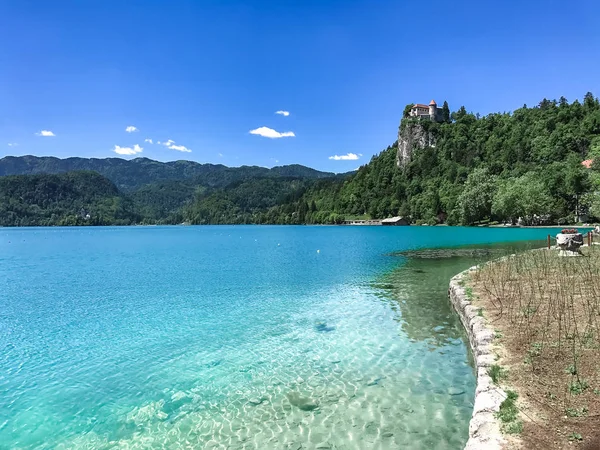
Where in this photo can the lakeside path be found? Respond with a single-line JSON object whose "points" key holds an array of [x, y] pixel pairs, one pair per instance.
{"points": [[533, 320]]}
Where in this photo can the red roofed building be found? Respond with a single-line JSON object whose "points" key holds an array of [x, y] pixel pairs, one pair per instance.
{"points": [[587, 163], [430, 111]]}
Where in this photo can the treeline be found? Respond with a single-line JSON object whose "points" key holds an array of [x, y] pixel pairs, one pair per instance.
{"points": [[130, 175], [74, 198], [523, 165], [501, 167]]}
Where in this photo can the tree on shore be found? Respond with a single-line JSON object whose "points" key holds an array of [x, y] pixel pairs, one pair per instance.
{"points": [[525, 197], [475, 201], [446, 112]]}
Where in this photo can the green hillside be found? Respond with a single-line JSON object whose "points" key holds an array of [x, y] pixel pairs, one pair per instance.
{"points": [[474, 170], [129, 175], [74, 198], [499, 167]]}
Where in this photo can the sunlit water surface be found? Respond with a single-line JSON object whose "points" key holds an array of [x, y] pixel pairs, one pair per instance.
{"points": [[235, 337]]}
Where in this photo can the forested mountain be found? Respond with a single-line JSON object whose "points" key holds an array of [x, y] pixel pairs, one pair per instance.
{"points": [[501, 167], [129, 175], [74, 198]]}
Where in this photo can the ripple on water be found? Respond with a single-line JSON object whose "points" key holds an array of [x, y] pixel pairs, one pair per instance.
{"points": [[158, 344], [352, 388]]}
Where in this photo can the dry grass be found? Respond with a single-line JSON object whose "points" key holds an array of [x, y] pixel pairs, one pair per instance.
{"points": [[547, 310]]}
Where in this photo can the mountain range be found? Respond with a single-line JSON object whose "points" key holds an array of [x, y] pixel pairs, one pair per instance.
{"points": [[91, 191], [535, 165], [129, 175]]}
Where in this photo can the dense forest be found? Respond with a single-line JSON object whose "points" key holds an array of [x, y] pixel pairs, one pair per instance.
{"points": [[73, 198], [501, 167], [525, 165], [130, 175]]}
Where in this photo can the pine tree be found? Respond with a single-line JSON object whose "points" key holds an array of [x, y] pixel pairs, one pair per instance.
{"points": [[446, 112], [407, 109]]}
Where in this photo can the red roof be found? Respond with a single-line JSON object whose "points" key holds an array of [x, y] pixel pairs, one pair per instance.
{"points": [[420, 105], [587, 163], [432, 102]]}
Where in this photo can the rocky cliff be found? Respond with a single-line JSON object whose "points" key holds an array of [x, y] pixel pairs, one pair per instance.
{"points": [[412, 135]]}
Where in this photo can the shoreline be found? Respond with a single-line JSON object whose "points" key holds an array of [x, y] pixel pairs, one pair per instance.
{"points": [[536, 300], [484, 427], [584, 228]]}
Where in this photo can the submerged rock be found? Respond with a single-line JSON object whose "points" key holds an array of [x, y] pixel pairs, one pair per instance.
{"points": [[300, 402], [375, 381], [294, 446], [455, 391], [213, 363], [256, 401], [323, 328], [147, 413]]}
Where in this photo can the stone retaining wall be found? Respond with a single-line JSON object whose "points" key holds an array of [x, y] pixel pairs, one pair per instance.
{"points": [[484, 428]]}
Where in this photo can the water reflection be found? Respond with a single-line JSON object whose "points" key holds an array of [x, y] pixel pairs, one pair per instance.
{"points": [[418, 289]]}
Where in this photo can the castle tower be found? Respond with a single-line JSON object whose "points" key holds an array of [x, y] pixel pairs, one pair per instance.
{"points": [[433, 110]]}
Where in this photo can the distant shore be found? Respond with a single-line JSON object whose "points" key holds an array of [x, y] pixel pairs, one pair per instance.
{"points": [[542, 226]]}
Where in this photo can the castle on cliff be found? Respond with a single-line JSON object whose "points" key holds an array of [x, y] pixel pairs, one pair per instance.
{"points": [[431, 112]]}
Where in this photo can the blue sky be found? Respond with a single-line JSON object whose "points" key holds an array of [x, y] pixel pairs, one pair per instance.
{"points": [[200, 75]]}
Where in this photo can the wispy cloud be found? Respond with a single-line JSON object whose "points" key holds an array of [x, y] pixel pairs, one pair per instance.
{"points": [[283, 113], [45, 133], [170, 144], [271, 133], [149, 141], [179, 148], [12, 144], [128, 150], [346, 157], [220, 155], [131, 129]]}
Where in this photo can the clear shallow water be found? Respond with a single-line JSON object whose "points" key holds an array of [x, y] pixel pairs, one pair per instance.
{"points": [[234, 337]]}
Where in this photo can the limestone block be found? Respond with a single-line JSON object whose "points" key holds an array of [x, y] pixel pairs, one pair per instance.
{"points": [[482, 349], [485, 360], [484, 429], [484, 383], [484, 337], [488, 401]]}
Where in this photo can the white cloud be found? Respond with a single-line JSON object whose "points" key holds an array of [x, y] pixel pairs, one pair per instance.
{"points": [[45, 133], [12, 144], [158, 142], [131, 129], [171, 145], [346, 157], [272, 134], [149, 141], [283, 113], [220, 155], [179, 148], [128, 150]]}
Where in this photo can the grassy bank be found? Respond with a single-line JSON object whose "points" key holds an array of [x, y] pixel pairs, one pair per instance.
{"points": [[545, 310]]}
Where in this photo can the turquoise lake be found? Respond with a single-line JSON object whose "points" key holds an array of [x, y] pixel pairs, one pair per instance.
{"points": [[237, 337]]}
